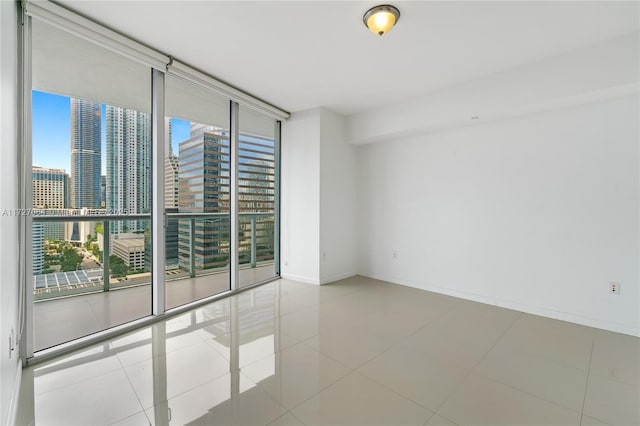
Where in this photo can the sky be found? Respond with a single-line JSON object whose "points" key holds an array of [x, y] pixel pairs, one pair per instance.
{"points": [[51, 131]]}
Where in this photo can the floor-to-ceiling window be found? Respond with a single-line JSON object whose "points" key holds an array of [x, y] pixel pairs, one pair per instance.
{"points": [[197, 184], [98, 149], [91, 187], [257, 198]]}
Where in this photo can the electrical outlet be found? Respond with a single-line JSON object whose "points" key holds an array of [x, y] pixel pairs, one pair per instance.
{"points": [[394, 254], [324, 255], [614, 288], [286, 263]]}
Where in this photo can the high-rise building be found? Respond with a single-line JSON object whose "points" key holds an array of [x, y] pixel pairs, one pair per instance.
{"points": [[170, 203], [128, 147], [50, 188], [171, 181], [170, 169], [203, 175], [171, 184], [37, 243], [85, 153], [50, 191], [103, 191]]}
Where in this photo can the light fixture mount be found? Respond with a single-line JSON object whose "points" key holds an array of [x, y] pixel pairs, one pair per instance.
{"points": [[381, 19]]}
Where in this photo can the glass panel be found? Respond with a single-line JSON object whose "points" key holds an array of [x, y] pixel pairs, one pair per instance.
{"points": [[256, 197], [240, 330], [196, 193], [91, 127]]}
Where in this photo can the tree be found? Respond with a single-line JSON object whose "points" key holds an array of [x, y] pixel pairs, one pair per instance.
{"points": [[118, 268], [70, 259], [95, 250], [90, 240]]}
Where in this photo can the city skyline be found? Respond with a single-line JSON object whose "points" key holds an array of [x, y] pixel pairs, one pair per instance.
{"points": [[51, 132]]}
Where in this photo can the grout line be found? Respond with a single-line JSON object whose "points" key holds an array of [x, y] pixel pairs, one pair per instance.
{"points": [[384, 385], [132, 415], [339, 379], [287, 412], [440, 415], [294, 416], [399, 395], [524, 391], [124, 370], [498, 341], [67, 383], [472, 369], [586, 386], [350, 370], [429, 419]]}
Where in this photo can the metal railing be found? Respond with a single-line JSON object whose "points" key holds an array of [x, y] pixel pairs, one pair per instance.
{"points": [[254, 248]]}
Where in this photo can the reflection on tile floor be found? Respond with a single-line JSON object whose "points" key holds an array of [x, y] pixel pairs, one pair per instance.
{"points": [[58, 321], [358, 351]]}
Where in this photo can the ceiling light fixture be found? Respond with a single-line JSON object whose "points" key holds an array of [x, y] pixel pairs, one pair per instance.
{"points": [[381, 19]]}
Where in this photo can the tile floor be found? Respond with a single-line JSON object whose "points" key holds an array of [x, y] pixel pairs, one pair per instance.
{"points": [[356, 352]]}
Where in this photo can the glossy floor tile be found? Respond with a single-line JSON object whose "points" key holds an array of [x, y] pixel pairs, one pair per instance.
{"points": [[427, 381], [616, 356], [297, 374], [611, 401], [538, 376], [356, 400], [355, 352], [481, 401]]}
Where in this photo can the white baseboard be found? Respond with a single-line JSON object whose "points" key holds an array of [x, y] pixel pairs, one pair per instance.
{"points": [[300, 278], [338, 277], [316, 281], [517, 306]]}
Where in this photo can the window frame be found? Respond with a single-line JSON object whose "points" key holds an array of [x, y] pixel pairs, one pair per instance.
{"points": [[160, 66]]}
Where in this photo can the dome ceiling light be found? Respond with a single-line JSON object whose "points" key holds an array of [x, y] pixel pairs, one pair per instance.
{"points": [[381, 19]]}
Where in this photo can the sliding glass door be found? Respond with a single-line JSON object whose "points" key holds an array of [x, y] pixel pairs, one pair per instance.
{"points": [[151, 190], [91, 187], [197, 185], [257, 198]]}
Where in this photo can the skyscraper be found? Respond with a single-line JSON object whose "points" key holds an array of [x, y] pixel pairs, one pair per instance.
{"points": [[85, 153], [37, 251], [204, 188], [103, 191], [50, 191], [170, 203], [128, 147], [170, 169], [171, 183]]}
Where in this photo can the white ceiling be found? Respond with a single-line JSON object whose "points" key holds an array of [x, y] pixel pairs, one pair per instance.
{"points": [[304, 54]]}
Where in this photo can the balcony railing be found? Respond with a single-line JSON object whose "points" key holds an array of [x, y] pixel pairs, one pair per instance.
{"points": [[202, 241]]}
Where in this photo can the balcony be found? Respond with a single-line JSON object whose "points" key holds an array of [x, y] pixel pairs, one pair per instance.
{"points": [[97, 296]]}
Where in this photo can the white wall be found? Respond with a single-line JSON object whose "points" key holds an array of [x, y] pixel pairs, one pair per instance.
{"points": [[319, 232], [9, 364], [597, 72], [338, 215], [300, 215], [537, 213]]}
